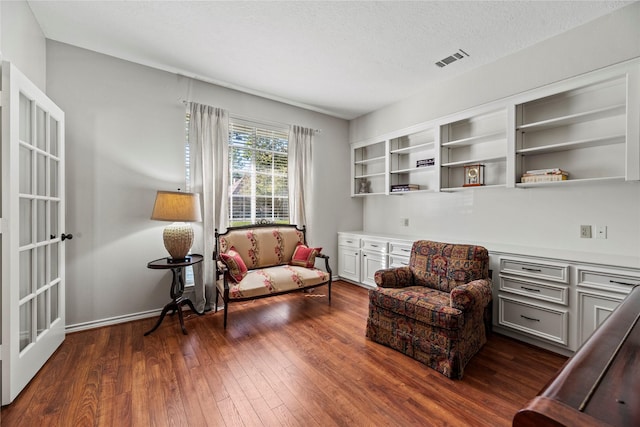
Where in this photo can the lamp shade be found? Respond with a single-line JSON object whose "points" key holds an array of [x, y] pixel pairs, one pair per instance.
{"points": [[177, 207]]}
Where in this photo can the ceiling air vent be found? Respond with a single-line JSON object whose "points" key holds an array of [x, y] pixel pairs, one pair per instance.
{"points": [[452, 58]]}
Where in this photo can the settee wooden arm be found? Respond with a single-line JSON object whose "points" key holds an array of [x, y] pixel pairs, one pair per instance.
{"points": [[396, 277], [475, 295], [326, 263]]}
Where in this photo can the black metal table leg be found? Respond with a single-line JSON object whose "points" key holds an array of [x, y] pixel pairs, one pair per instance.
{"points": [[177, 290]]}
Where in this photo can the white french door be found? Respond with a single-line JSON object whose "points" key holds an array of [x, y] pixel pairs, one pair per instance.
{"points": [[33, 289]]}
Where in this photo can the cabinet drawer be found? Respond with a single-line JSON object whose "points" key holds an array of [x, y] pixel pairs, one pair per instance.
{"points": [[607, 281], [542, 291], [398, 261], [374, 245], [533, 319], [349, 241], [555, 272], [402, 249]]}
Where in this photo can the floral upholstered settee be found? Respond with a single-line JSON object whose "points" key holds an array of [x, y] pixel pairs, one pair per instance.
{"points": [[435, 309], [259, 261]]}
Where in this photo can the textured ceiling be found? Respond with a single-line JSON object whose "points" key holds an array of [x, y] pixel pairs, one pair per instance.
{"points": [[342, 58]]}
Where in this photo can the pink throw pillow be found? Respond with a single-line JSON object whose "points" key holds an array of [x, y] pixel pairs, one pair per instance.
{"points": [[304, 256], [235, 264]]}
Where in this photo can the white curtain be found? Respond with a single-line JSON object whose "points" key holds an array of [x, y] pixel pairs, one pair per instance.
{"points": [[209, 150], [299, 165]]}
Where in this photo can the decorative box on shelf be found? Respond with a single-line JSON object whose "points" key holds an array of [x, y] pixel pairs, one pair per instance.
{"points": [[473, 175], [425, 162]]}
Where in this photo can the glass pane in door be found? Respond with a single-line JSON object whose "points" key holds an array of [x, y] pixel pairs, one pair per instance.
{"points": [[41, 129], [53, 232], [41, 221], [41, 177], [25, 324], [54, 262], [25, 221], [53, 177], [41, 266], [25, 119], [55, 295], [53, 142], [41, 307], [25, 184], [25, 273]]}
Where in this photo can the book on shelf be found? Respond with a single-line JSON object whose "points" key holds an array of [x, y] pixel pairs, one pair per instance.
{"points": [[542, 172], [404, 187], [544, 178]]}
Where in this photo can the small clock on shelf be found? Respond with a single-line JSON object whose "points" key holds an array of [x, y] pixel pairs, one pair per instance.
{"points": [[473, 175]]}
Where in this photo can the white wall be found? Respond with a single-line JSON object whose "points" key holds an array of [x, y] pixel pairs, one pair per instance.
{"points": [[542, 217], [125, 140], [22, 41]]}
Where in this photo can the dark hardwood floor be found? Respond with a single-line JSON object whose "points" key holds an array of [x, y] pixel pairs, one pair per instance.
{"points": [[288, 360]]}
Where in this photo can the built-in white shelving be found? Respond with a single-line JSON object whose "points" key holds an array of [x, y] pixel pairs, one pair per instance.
{"points": [[588, 126], [478, 138]]}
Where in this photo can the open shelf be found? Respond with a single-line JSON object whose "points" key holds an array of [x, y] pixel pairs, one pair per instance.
{"points": [[466, 162], [418, 147], [570, 145], [366, 161], [479, 187], [420, 169], [497, 136], [570, 119], [369, 175], [398, 193], [570, 182]]}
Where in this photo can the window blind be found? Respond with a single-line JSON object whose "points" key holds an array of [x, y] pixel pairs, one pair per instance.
{"points": [[258, 188]]}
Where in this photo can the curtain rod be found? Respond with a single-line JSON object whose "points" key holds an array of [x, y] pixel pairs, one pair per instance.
{"points": [[267, 122]]}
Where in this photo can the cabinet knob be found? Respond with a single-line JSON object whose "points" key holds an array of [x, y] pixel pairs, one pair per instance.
{"points": [[64, 237]]}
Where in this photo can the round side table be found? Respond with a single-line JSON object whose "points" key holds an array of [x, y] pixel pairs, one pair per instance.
{"points": [[177, 288]]}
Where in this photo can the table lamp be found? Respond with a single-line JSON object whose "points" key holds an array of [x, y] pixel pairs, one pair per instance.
{"points": [[180, 208]]}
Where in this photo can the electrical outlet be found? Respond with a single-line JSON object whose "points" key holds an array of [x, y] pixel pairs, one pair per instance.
{"points": [[404, 222], [585, 231], [601, 231]]}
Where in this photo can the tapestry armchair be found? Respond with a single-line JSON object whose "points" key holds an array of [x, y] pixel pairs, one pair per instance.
{"points": [[437, 309]]}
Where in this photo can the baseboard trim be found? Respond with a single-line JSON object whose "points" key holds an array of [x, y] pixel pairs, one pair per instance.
{"points": [[111, 321]]}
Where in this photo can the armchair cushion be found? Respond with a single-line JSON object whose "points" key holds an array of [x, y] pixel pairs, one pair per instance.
{"points": [[426, 305], [444, 266]]}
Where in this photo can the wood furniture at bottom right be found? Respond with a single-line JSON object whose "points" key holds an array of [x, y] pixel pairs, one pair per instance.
{"points": [[600, 384]]}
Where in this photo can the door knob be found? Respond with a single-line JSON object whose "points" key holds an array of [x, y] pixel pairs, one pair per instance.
{"points": [[66, 236]]}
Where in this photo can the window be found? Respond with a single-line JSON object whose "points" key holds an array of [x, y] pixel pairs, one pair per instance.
{"points": [[258, 184]]}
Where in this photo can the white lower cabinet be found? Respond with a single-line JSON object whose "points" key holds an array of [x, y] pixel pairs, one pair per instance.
{"points": [[361, 255], [551, 303], [349, 257], [533, 298], [599, 292], [551, 324], [349, 263], [371, 262], [556, 304]]}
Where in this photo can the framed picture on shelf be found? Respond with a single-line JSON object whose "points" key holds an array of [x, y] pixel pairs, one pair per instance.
{"points": [[473, 175]]}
